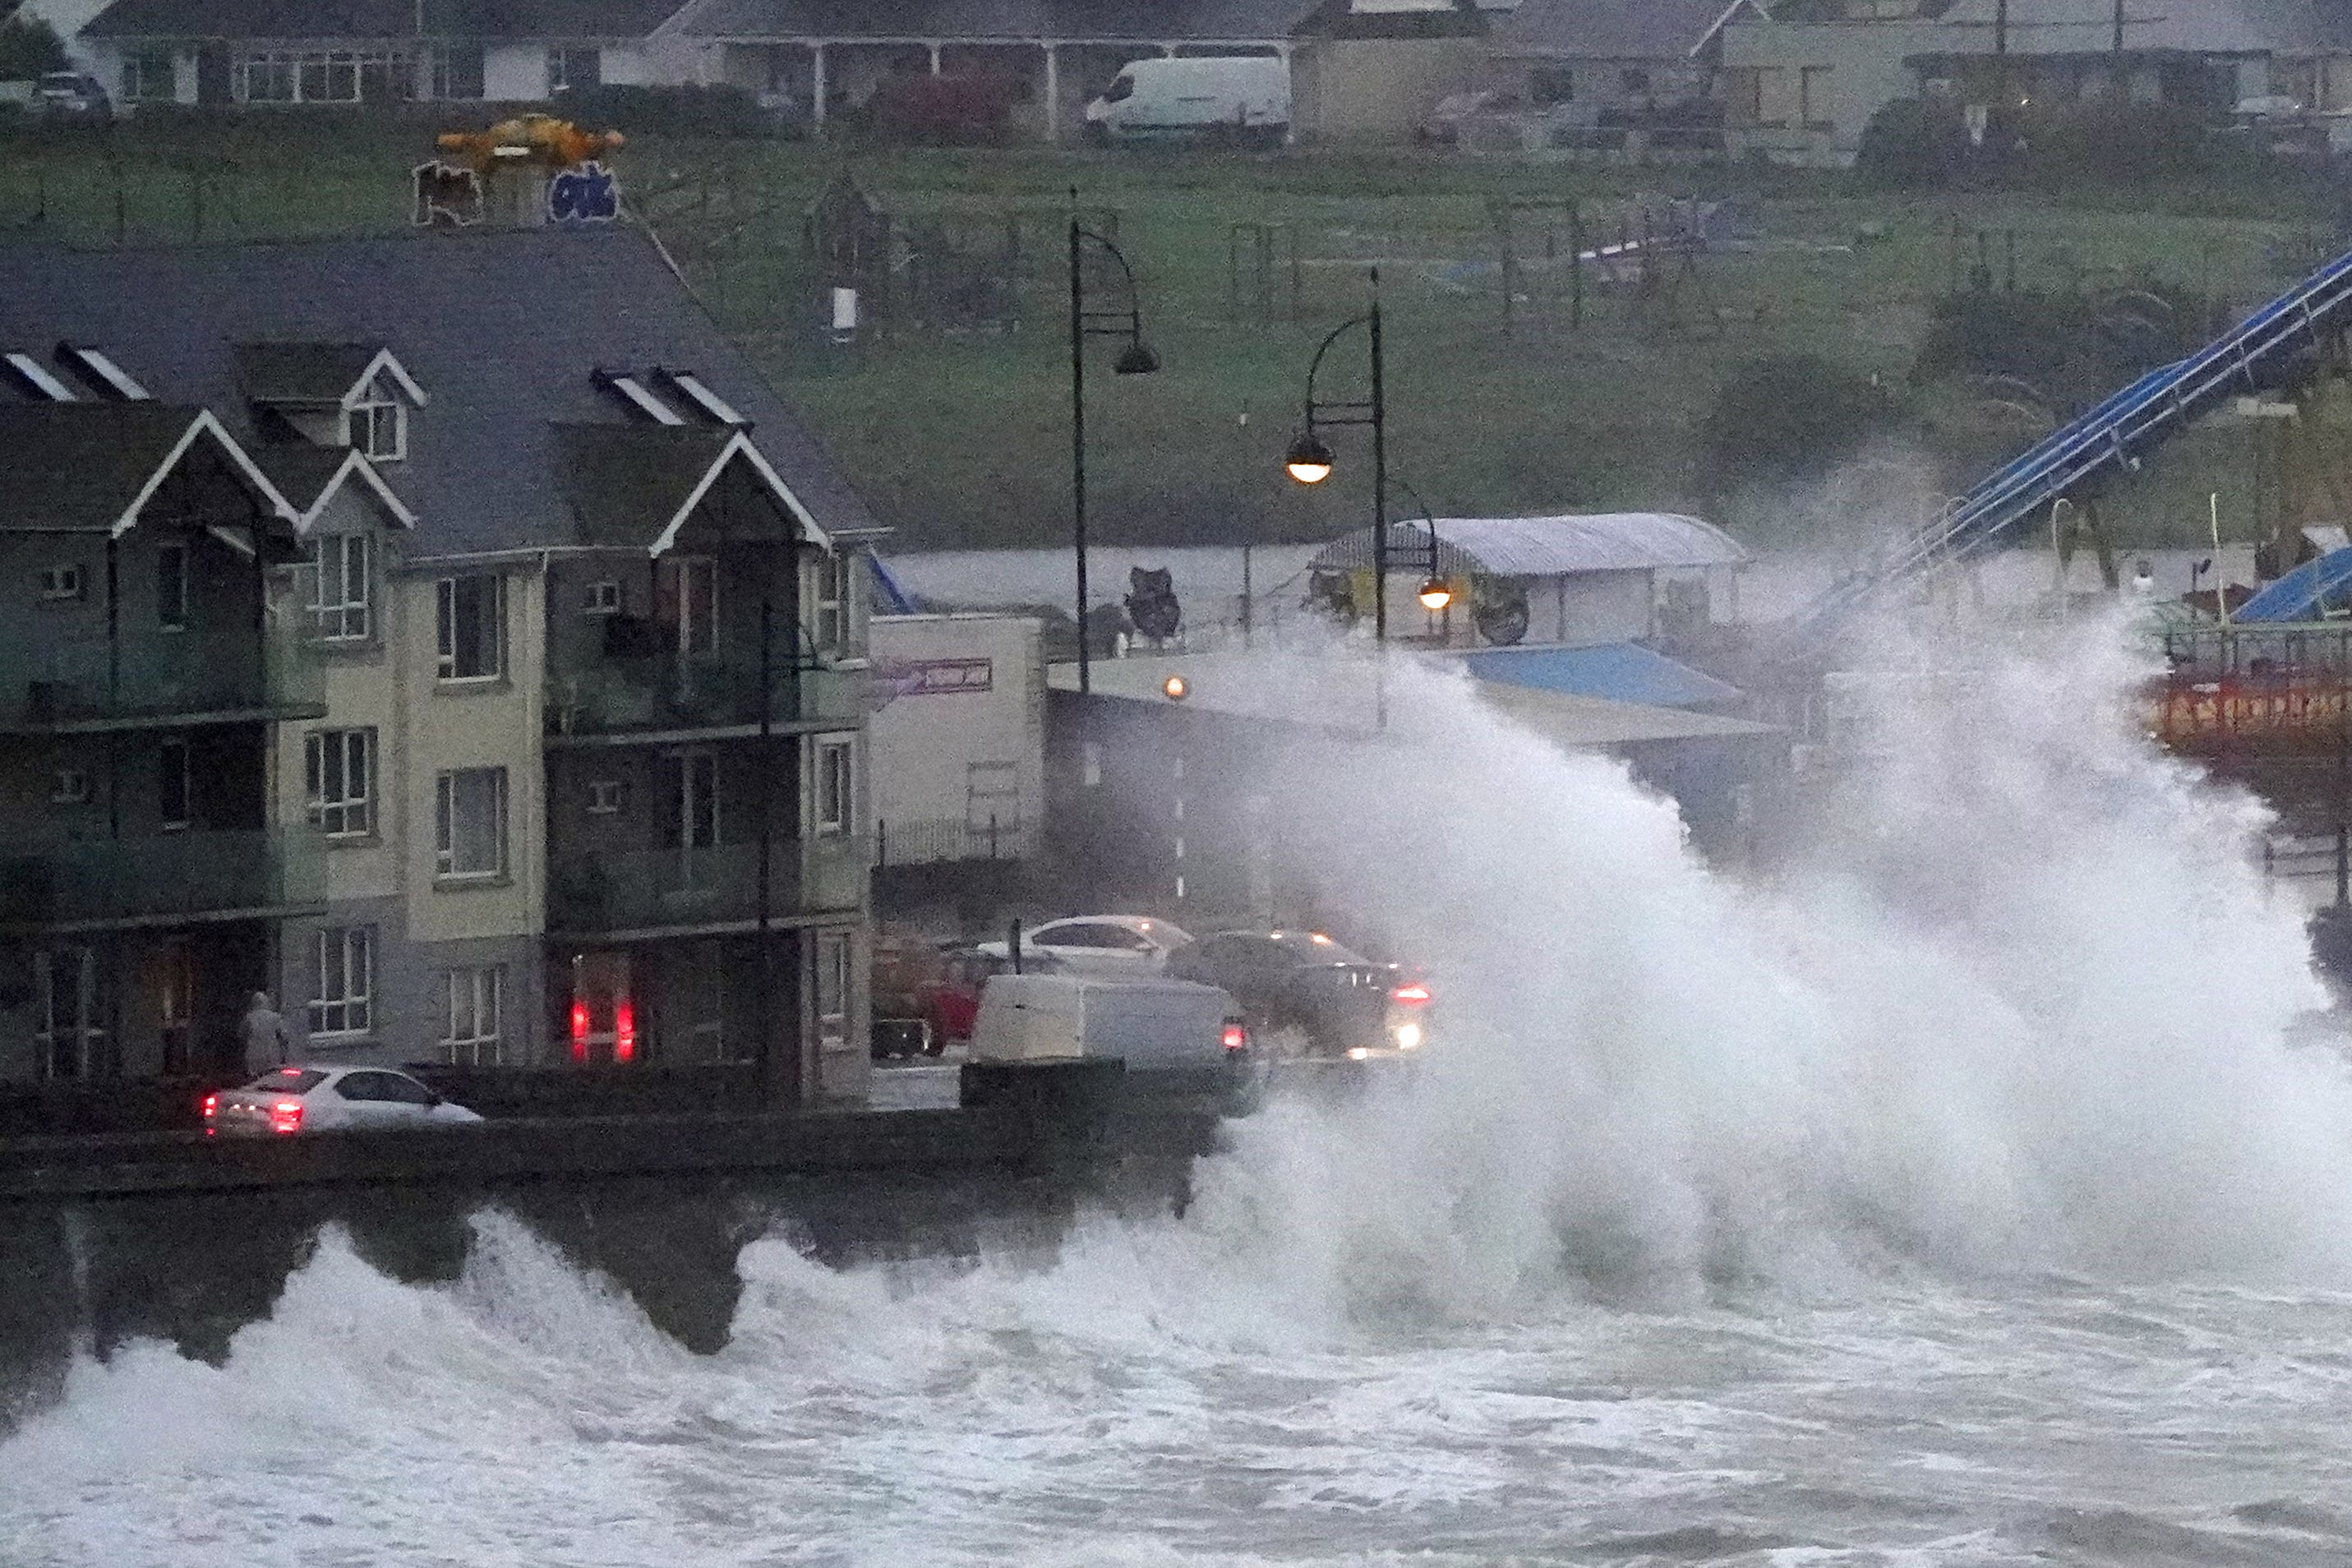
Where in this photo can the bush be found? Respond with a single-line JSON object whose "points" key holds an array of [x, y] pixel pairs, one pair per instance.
{"points": [[719, 111], [2072, 349], [1790, 418], [29, 48], [1914, 145]]}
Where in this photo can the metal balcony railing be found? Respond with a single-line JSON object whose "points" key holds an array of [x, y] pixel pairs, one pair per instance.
{"points": [[603, 695], [160, 675], [158, 876], [648, 890]]}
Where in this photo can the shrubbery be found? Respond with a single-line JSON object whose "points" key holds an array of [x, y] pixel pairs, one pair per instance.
{"points": [[29, 49], [719, 111], [1915, 143], [1790, 418]]}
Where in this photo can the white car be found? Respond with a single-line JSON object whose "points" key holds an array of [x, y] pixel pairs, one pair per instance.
{"points": [[1099, 944], [298, 1099]]}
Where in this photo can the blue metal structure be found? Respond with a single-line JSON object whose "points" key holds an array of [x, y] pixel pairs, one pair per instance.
{"points": [[2278, 344], [2302, 594]]}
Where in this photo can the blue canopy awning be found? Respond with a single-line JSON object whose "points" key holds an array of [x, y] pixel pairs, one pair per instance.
{"points": [[1620, 671]]}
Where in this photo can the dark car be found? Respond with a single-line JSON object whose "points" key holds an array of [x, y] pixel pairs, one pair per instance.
{"points": [[1342, 1003]]}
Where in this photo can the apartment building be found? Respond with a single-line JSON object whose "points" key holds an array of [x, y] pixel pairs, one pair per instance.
{"points": [[573, 606]]}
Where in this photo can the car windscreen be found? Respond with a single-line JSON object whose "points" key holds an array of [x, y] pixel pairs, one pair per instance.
{"points": [[288, 1080]]}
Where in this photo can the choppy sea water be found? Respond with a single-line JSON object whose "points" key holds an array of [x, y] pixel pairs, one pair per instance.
{"points": [[527, 1414], [1971, 1191]]}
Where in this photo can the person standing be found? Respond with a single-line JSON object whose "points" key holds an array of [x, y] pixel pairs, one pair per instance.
{"points": [[266, 1037]]}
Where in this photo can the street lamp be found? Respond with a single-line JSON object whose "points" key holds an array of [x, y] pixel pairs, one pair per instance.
{"points": [[1435, 593], [1310, 460], [1135, 359]]}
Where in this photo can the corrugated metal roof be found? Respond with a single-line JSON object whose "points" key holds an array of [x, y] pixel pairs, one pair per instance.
{"points": [[1546, 546], [1619, 671]]}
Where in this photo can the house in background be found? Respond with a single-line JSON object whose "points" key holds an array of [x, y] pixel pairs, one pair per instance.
{"points": [[582, 764], [1587, 64], [381, 51], [1802, 77]]}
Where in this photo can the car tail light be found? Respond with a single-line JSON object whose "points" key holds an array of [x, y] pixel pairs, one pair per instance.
{"points": [[1236, 1034], [580, 1031], [211, 1106], [624, 1029], [1412, 994], [286, 1116]]}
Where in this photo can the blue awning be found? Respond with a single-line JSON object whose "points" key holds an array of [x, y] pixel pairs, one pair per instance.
{"points": [[1620, 671], [2302, 594]]}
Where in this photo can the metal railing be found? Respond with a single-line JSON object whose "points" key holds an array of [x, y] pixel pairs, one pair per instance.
{"points": [[603, 694], [160, 875], [647, 889], [156, 673], [909, 841]]}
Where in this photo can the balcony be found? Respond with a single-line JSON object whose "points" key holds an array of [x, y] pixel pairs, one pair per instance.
{"points": [[669, 692], [159, 880], [658, 890], [161, 679]]}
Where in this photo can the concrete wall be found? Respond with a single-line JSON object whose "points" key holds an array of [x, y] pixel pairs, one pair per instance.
{"points": [[1856, 70], [514, 72], [1376, 90], [961, 692]]}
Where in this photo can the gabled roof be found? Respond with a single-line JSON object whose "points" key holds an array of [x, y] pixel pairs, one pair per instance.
{"points": [[378, 19], [1170, 21], [635, 486], [92, 467], [326, 373], [1610, 29], [504, 328], [311, 477]]}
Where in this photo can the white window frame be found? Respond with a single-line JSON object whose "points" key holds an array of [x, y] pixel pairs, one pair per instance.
{"points": [[140, 68], [473, 1031], [340, 611], [69, 786], [442, 73], [352, 814], [559, 58], [833, 797], [829, 617], [445, 826], [834, 961], [350, 1010], [60, 583], [446, 628], [367, 421]]}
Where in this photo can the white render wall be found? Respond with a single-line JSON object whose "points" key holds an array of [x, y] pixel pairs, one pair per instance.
{"points": [[514, 72], [925, 742]]}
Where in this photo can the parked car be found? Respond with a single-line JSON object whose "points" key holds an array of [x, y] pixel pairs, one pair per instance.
{"points": [[1243, 98], [1342, 1003], [1152, 1024], [302, 1100], [1444, 125], [72, 95], [1097, 944]]}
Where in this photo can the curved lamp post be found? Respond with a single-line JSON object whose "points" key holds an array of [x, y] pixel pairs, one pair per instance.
{"points": [[1434, 594], [1310, 460], [1135, 359]]}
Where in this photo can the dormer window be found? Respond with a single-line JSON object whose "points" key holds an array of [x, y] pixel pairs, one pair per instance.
{"points": [[379, 429]]}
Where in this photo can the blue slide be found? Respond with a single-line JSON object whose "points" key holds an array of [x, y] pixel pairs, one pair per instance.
{"points": [[2276, 345]]}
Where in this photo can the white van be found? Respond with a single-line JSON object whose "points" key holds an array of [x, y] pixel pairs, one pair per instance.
{"points": [[1152, 1025], [1242, 95]]}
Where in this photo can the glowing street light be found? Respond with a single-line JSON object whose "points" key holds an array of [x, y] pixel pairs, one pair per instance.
{"points": [[1309, 459], [1436, 596], [1176, 688]]}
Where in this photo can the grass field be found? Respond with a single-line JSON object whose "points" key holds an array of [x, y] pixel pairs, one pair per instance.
{"points": [[963, 437]]}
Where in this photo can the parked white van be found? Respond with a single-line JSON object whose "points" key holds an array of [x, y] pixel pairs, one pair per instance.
{"points": [[1243, 96], [1153, 1025]]}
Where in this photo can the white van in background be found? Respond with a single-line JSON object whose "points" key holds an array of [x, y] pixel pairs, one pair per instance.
{"points": [[1245, 97], [1152, 1025]]}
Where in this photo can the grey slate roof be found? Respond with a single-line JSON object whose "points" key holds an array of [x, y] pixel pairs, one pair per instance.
{"points": [[502, 331], [76, 468], [301, 372], [1609, 29], [2217, 27], [325, 19], [1018, 20]]}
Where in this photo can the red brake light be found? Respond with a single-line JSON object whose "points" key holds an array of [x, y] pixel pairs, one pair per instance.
{"points": [[286, 1116], [580, 1031], [211, 1106], [624, 1029], [1236, 1038], [1411, 995]]}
